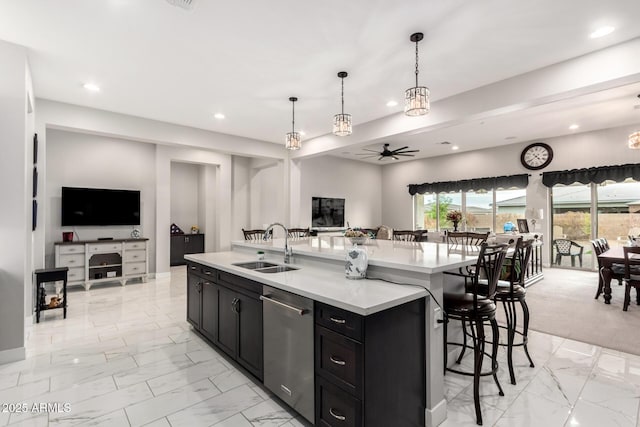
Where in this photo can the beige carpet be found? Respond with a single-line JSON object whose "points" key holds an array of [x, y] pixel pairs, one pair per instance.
{"points": [[563, 304]]}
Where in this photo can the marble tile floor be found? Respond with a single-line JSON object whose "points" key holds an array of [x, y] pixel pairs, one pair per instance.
{"points": [[125, 356]]}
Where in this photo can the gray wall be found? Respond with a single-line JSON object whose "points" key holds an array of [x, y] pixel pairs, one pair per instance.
{"points": [[185, 194]]}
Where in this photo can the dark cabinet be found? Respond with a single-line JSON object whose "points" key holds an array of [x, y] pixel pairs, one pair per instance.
{"points": [[361, 360], [185, 244], [194, 300], [226, 309]]}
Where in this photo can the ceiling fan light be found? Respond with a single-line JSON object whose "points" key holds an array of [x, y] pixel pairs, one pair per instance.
{"points": [[634, 140], [342, 125], [416, 101], [293, 141]]}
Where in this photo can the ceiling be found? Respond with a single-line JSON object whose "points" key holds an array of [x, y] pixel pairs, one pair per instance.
{"points": [[245, 59]]}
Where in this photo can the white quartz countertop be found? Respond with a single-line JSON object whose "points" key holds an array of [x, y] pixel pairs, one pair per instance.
{"points": [[327, 285], [423, 257]]}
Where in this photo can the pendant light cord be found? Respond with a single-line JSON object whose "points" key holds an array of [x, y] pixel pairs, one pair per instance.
{"points": [[293, 120], [342, 94], [416, 63]]}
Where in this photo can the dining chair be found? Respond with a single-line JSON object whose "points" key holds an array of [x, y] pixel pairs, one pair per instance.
{"points": [[474, 309], [404, 235], [617, 270], [256, 234], [564, 247], [631, 274], [299, 232]]}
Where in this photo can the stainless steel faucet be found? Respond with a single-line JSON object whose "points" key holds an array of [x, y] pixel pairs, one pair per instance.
{"points": [[287, 249]]}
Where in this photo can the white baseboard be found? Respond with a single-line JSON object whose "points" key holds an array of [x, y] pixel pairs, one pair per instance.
{"points": [[12, 355], [437, 415]]}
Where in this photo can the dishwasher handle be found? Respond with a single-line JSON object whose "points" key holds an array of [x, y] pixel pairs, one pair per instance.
{"points": [[299, 311]]}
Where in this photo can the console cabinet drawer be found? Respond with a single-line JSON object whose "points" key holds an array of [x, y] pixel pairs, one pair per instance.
{"points": [[75, 274], [339, 360], [135, 256], [135, 245], [135, 268], [74, 260], [340, 321], [71, 249], [105, 247]]}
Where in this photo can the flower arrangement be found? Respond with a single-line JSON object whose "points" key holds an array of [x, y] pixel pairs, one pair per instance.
{"points": [[195, 229], [454, 216], [354, 233]]}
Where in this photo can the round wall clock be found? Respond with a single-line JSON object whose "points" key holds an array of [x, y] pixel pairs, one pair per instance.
{"points": [[536, 156]]}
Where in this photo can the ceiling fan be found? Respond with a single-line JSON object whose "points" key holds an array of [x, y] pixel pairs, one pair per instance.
{"points": [[385, 153]]}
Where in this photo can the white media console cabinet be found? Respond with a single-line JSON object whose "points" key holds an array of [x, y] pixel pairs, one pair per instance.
{"points": [[97, 261]]}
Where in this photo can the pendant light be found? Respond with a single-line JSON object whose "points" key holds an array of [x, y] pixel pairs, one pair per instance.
{"points": [[634, 139], [416, 99], [293, 141], [342, 121]]}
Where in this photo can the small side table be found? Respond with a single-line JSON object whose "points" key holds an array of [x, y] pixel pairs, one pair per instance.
{"points": [[45, 275]]}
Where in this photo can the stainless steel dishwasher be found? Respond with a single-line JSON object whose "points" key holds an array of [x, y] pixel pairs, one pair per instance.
{"points": [[288, 348]]}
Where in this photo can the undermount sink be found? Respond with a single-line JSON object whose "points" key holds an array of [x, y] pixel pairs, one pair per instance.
{"points": [[264, 267]]}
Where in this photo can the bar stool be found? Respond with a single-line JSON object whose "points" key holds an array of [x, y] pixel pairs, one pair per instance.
{"points": [[510, 292], [46, 275], [475, 309]]}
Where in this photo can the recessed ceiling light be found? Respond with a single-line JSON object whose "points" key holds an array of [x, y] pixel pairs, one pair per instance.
{"points": [[455, 147], [91, 87], [392, 103], [574, 127], [219, 116], [602, 31]]}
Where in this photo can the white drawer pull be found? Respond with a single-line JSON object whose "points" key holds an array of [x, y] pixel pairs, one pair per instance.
{"points": [[338, 321]]}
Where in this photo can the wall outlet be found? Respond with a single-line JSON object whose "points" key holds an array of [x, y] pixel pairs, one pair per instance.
{"points": [[437, 317]]}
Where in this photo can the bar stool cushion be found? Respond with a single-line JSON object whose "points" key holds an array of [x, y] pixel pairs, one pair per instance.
{"points": [[462, 304]]}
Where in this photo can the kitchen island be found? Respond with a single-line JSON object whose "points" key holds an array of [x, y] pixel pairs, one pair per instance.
{"points": [[372, 305]]}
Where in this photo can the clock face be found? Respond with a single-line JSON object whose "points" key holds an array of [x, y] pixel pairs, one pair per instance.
{"points": [[536, 156]]}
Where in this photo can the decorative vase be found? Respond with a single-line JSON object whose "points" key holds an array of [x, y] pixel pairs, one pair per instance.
{"points": [[455, 225], [357, 262]]}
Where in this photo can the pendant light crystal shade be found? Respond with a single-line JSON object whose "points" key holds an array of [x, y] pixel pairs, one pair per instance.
{"points": [[293, 140], [634, 140], [342, 122], [416, 99]]}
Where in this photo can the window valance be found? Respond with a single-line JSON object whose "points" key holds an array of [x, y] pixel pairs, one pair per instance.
{"points": [[596, 175], [492, 183]]}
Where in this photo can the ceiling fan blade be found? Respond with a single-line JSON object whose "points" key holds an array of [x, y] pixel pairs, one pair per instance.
{"points": [[406, 151], [368, 156], [403, 154], [381, 157], [373, 151], [394, 158], [399, 149]]}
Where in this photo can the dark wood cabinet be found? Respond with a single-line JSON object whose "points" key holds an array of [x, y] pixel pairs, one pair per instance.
{"points": [[182, 244], [194, 300], [226, 309], [370, 370]]}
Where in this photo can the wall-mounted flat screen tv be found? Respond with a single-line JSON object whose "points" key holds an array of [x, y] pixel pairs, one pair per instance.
{"points": [[327, 212], [100, 206]]}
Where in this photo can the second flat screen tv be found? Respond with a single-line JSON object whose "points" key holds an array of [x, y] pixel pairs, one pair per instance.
{"points": [[100, 206], [327, 212]]}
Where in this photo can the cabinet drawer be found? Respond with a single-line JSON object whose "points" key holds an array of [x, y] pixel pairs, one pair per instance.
{"points": [[75, 274], [336, 408], [104, 247], [135, 268], [135, 256], [74, 260], [71, 249], [135, 245], [338, 320], [339, 359]]}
